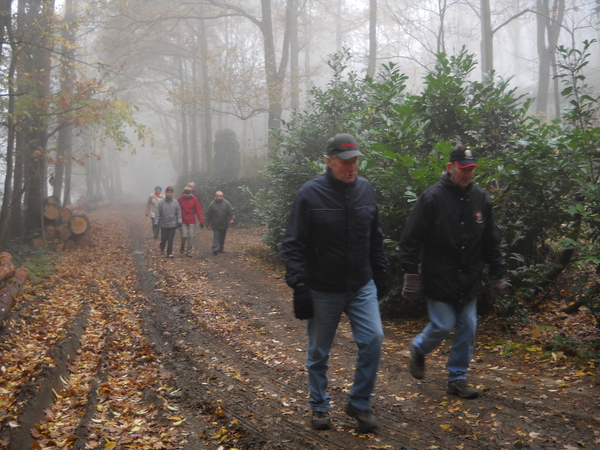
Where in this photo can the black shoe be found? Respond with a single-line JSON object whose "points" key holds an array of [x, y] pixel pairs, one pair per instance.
{"points": [[416, 363], [189, 255], [320, 420], [366, 421], [221, 251], [462, 389], [215, 252]]}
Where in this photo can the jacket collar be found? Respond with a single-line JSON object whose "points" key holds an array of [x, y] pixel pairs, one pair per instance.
{"points": [[335, 183], [453, 187]]}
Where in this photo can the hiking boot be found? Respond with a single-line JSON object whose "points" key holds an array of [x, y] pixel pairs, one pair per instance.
{"points": [[182, 248], [366, 421], [462, 389], [416, 363], [320, 420], [215, 252]]}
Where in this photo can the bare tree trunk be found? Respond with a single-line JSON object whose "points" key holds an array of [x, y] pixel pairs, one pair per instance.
{"points": [[194, 151], [372, 38], [206, 94], [184, 127], [548, 26], [487, 41], [294, 57], [64, 147]]}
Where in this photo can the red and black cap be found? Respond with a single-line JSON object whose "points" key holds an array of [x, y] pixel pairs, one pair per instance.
{"points": [[464, 157], [344, 146]]}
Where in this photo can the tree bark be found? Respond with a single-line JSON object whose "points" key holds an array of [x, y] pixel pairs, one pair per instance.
{"points": [[9, 293], [372, 38]]}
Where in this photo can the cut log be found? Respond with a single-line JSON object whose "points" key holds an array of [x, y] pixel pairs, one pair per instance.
{"points": [[51, 200], [70, 245], [51, 211], [64, 232], [83, 240], [50, 233], [79, 223], [8, 294], [39, 242], [65, 214], [7, 268], [58, 246]]}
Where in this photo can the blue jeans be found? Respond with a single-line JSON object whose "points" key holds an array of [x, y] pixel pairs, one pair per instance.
{"points": [[363, 311], [443, 317]]}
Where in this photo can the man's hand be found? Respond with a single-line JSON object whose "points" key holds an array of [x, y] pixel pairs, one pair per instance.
{"points": [[201, 224], [412, 282], [179, 225], [303, 306], [380, 279], [498, 286]]}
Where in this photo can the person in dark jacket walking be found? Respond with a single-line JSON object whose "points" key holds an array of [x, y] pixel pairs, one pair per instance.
{"points": [[168, 219], [190, 210], [451, 232], [219, 216], [335, 262]]}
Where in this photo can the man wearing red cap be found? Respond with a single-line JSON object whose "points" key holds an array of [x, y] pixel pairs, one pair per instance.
{"points": [[451, 234]]}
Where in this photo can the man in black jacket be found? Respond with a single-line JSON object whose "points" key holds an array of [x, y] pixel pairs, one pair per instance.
{"points": [[451, 232], [335, 262]]}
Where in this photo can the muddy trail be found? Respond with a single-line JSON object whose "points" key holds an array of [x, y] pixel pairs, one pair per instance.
{"points": [[221, 333]]}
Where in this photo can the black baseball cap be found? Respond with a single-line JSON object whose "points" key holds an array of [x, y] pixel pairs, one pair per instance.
{"points": [[464, 157], [344, 146]]}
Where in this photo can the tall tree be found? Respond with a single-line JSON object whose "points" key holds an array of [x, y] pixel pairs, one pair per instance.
{"points": [[372, 58], [549, 22]]}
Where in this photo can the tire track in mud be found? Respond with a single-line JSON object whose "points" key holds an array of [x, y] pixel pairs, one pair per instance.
{"points": [[227, 379]]}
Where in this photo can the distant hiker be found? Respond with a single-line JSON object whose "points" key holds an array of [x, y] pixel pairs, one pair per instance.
{"points": [[168, 218], [151, 205], [190, 210], [335, 262], [452, 234], [192, 186], [219, 216]]}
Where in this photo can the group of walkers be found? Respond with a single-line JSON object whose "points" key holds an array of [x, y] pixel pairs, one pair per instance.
{"points": [[333, 250], [185, 213]]}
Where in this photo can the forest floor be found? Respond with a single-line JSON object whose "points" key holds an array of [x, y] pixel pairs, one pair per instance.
{"points": [[122, 348]]}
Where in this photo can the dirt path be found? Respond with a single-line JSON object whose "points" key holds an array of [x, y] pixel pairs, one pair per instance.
{"points": [[226, 357]]}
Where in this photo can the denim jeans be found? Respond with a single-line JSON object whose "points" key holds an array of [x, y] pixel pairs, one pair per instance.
{"points": [[362, 309], [443, 317]]}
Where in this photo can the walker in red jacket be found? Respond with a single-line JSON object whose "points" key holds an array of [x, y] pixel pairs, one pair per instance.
{"points": [[190, 210]]}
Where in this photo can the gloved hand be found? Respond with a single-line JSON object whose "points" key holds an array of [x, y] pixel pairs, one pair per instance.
{"points": [[201, 224], [179, 226], [380, 279], [410, 290], [498, 286], [303, 306]]}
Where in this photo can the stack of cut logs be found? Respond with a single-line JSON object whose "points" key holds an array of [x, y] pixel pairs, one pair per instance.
{"points": [[65, 227], [11, 283]]}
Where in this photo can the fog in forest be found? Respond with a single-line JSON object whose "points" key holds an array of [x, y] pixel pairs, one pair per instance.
{"points": [[127, 95]]}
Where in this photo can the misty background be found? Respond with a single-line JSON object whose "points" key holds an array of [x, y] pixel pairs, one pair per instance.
{"points": [[111, 98]]}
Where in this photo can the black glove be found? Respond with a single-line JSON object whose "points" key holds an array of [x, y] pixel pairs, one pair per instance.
{"points": [[380, 279], [179, 226], [201, 224], [303, 306], [410, 290], [498, 286]]}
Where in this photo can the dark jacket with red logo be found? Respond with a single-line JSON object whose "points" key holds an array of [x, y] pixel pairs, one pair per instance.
{"points": [[333, 240], [452, 233]]}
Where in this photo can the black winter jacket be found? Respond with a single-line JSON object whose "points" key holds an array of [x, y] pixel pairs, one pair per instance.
{"points": [[333, 240], [453, 234]]}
